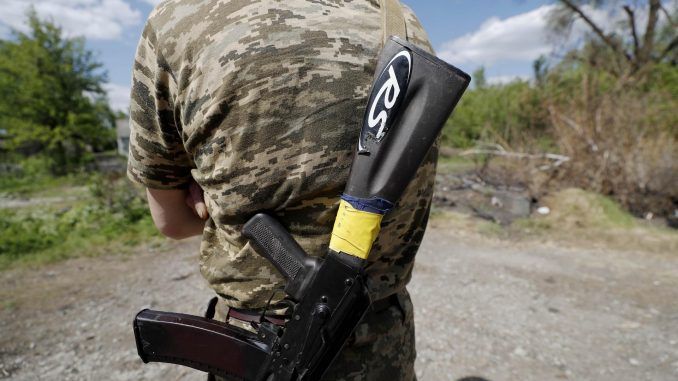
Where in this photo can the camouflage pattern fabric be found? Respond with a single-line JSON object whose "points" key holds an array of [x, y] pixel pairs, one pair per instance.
{"points": [[261, 102], [382, 347]]}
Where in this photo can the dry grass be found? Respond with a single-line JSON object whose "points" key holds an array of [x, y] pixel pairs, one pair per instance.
{"points": [[578, 219], [620, 145]]}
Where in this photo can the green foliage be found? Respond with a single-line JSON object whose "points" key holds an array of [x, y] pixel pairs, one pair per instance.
{"points": [[479, 79], [36, 166], [33, 178], [456, 164], [52, 100], [540, 69], [608, 105], [43, 185], [509, 113], [117, 197], [24, 234], [116, 215]]}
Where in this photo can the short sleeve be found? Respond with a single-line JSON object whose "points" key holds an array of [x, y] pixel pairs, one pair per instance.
{"points": [[157, 157]]}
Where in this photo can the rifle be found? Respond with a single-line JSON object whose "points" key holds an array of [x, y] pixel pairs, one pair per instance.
{"points": [[411, 98]]}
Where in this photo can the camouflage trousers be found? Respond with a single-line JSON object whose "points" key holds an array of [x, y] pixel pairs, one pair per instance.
{"points": [[381, 349]]}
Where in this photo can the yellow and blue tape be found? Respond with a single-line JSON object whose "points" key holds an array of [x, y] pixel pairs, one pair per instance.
{"points": [[357, 225]]}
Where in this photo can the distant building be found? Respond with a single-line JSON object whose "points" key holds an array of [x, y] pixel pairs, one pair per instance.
{"points": [[122, 133]]}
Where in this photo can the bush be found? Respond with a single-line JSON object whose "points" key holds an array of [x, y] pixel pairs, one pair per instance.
{"points": [[114, 194], [24, 234], [619, 133], [35, 166], [509, 114], [22, 185], [116, 215], [574, 208]]}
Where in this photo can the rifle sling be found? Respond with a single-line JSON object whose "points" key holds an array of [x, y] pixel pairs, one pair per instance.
{"points": [[392, 20]]}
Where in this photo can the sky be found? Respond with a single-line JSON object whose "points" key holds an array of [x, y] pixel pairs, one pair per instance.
{"points": [[504, 36]]}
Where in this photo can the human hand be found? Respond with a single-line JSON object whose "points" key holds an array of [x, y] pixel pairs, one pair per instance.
{"points": [[195, 200]]}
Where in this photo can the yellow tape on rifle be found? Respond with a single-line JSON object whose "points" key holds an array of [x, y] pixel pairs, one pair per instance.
{"points": [[354, 231]]}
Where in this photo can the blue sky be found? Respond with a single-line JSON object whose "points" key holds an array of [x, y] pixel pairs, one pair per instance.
{"points": [[505, 36]]}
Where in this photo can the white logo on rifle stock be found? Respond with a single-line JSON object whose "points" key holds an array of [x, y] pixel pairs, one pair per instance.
{"points": [[389, 91]]}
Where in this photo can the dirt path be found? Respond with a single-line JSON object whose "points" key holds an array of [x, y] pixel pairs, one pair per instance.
{"points": [[486, 309]]}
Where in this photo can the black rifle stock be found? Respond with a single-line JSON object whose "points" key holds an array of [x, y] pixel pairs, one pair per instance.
{"points": [[412, 97]]}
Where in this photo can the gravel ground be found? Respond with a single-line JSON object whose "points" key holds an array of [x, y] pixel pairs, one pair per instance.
{"points": [[488, 309]]}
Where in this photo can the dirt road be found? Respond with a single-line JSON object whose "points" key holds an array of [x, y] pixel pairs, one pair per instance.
{"points": [[484, 308]]}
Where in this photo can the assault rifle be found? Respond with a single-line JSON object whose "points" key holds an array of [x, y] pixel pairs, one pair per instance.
{"points": [[412, 97]]}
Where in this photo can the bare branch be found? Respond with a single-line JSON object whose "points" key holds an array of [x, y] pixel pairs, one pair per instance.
{"points": [[569, 122], [668, 16], [557, 160], [634, 33], [596, 29], [648, 39], [672, 45]]}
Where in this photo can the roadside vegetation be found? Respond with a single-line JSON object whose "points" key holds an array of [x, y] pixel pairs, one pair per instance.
{"points": [[593, 136], [576, 218], [104, 217], [55, 121], [600, 117], [54, 114]]}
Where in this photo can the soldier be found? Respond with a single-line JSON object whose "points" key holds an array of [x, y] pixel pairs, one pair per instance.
{"points": [[259, 104]]}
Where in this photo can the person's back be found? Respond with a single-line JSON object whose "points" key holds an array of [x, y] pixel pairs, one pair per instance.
{"points": [[261, 103]]}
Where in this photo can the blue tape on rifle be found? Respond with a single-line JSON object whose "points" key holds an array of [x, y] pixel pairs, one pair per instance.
{"points": [[373, 205]]}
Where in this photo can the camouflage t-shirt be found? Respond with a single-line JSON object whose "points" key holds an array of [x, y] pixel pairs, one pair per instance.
{"points": [[261, 102]]}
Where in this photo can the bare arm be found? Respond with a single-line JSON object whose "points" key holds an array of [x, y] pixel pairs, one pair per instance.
{"points": [[178, 213]]}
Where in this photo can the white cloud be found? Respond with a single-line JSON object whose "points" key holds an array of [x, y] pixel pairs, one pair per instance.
{"points": [[118, 97], [520, 38], [153, 2], [94, 19]]}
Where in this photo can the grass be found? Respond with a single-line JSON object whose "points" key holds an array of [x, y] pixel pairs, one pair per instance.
{"points": [[9, 305], [455, 164], [43, 186], [108, 216], [34, 241], [578, 209], [577, 218]]}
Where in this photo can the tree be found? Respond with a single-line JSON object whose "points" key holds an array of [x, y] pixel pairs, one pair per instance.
{"points": [[632, 49], [611, 102], [540, 69], [479, 79], [52, 100]]}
